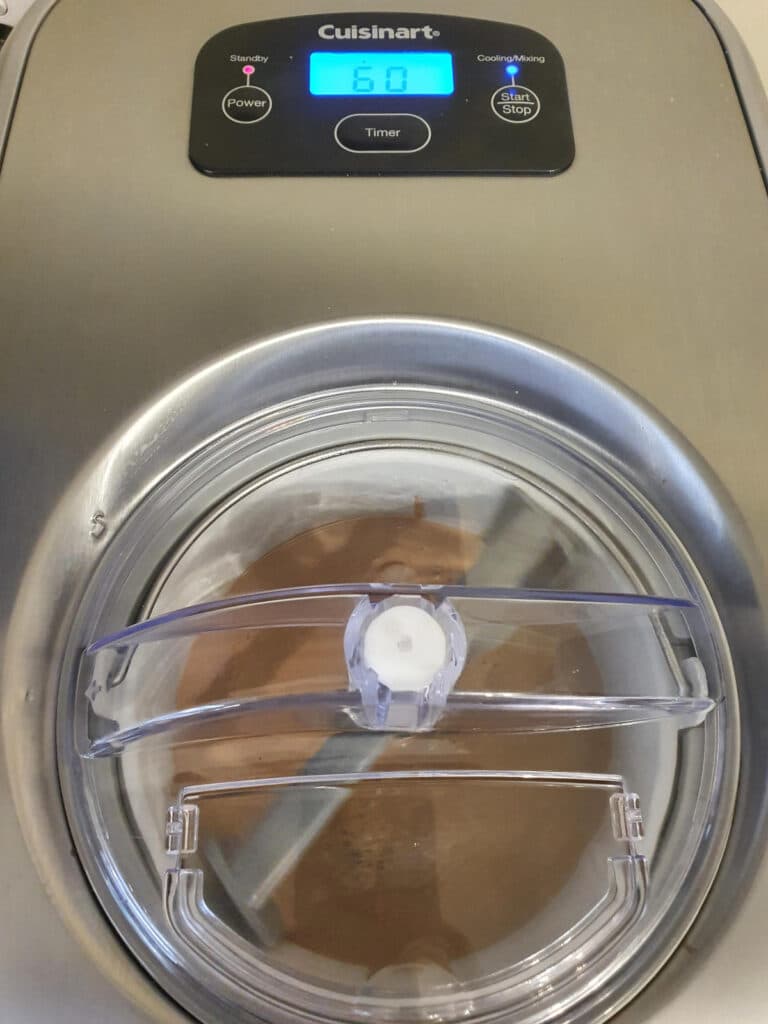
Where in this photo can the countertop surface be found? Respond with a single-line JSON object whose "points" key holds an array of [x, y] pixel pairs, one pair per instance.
{"points": [[751, 19]]}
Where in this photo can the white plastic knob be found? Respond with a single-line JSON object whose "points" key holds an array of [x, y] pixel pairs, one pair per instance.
{"points": [[406, 647]]}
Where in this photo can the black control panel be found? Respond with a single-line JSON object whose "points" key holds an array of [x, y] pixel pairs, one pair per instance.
{"points": [[380, 94]]}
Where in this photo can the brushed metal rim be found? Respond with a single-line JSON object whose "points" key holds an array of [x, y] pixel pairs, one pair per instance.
{"points": [[473, 358]]}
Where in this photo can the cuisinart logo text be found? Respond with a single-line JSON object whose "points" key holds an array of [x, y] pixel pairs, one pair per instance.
{"points": [[377, 32]]}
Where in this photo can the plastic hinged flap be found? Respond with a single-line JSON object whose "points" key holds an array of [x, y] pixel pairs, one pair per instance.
{"points": [[386, 658], [248, 900]]}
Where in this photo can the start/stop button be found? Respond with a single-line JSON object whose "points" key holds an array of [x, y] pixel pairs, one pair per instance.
{"points": [[382, 133]]}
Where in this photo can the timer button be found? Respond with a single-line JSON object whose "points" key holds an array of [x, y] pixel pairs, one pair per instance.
{"points": [[382, 133], [515, 103], [246, 104]]}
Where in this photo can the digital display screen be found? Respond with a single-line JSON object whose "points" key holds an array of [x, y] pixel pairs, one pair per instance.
{"points": [[380, 74]]}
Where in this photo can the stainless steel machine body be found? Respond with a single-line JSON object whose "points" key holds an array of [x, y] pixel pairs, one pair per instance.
{"points": [[125, 269]]}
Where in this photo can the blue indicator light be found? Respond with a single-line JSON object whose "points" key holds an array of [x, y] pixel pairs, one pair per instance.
{"points": [[512, 70], [380, 74]]}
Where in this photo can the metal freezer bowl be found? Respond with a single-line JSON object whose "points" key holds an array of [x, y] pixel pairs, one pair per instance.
{"points": [[172, 270]]}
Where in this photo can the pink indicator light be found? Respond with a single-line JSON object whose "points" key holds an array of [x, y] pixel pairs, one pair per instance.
{"points": [[248, 69]]}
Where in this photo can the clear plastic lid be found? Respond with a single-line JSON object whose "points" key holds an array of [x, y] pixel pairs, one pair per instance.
{"points": [[422, 722]]}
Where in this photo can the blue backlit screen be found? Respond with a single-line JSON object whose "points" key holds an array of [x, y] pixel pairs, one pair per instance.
{"points": [[380, 74]]}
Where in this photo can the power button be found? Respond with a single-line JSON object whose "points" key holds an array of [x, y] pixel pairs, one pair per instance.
{"points": [[247, 104]]}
